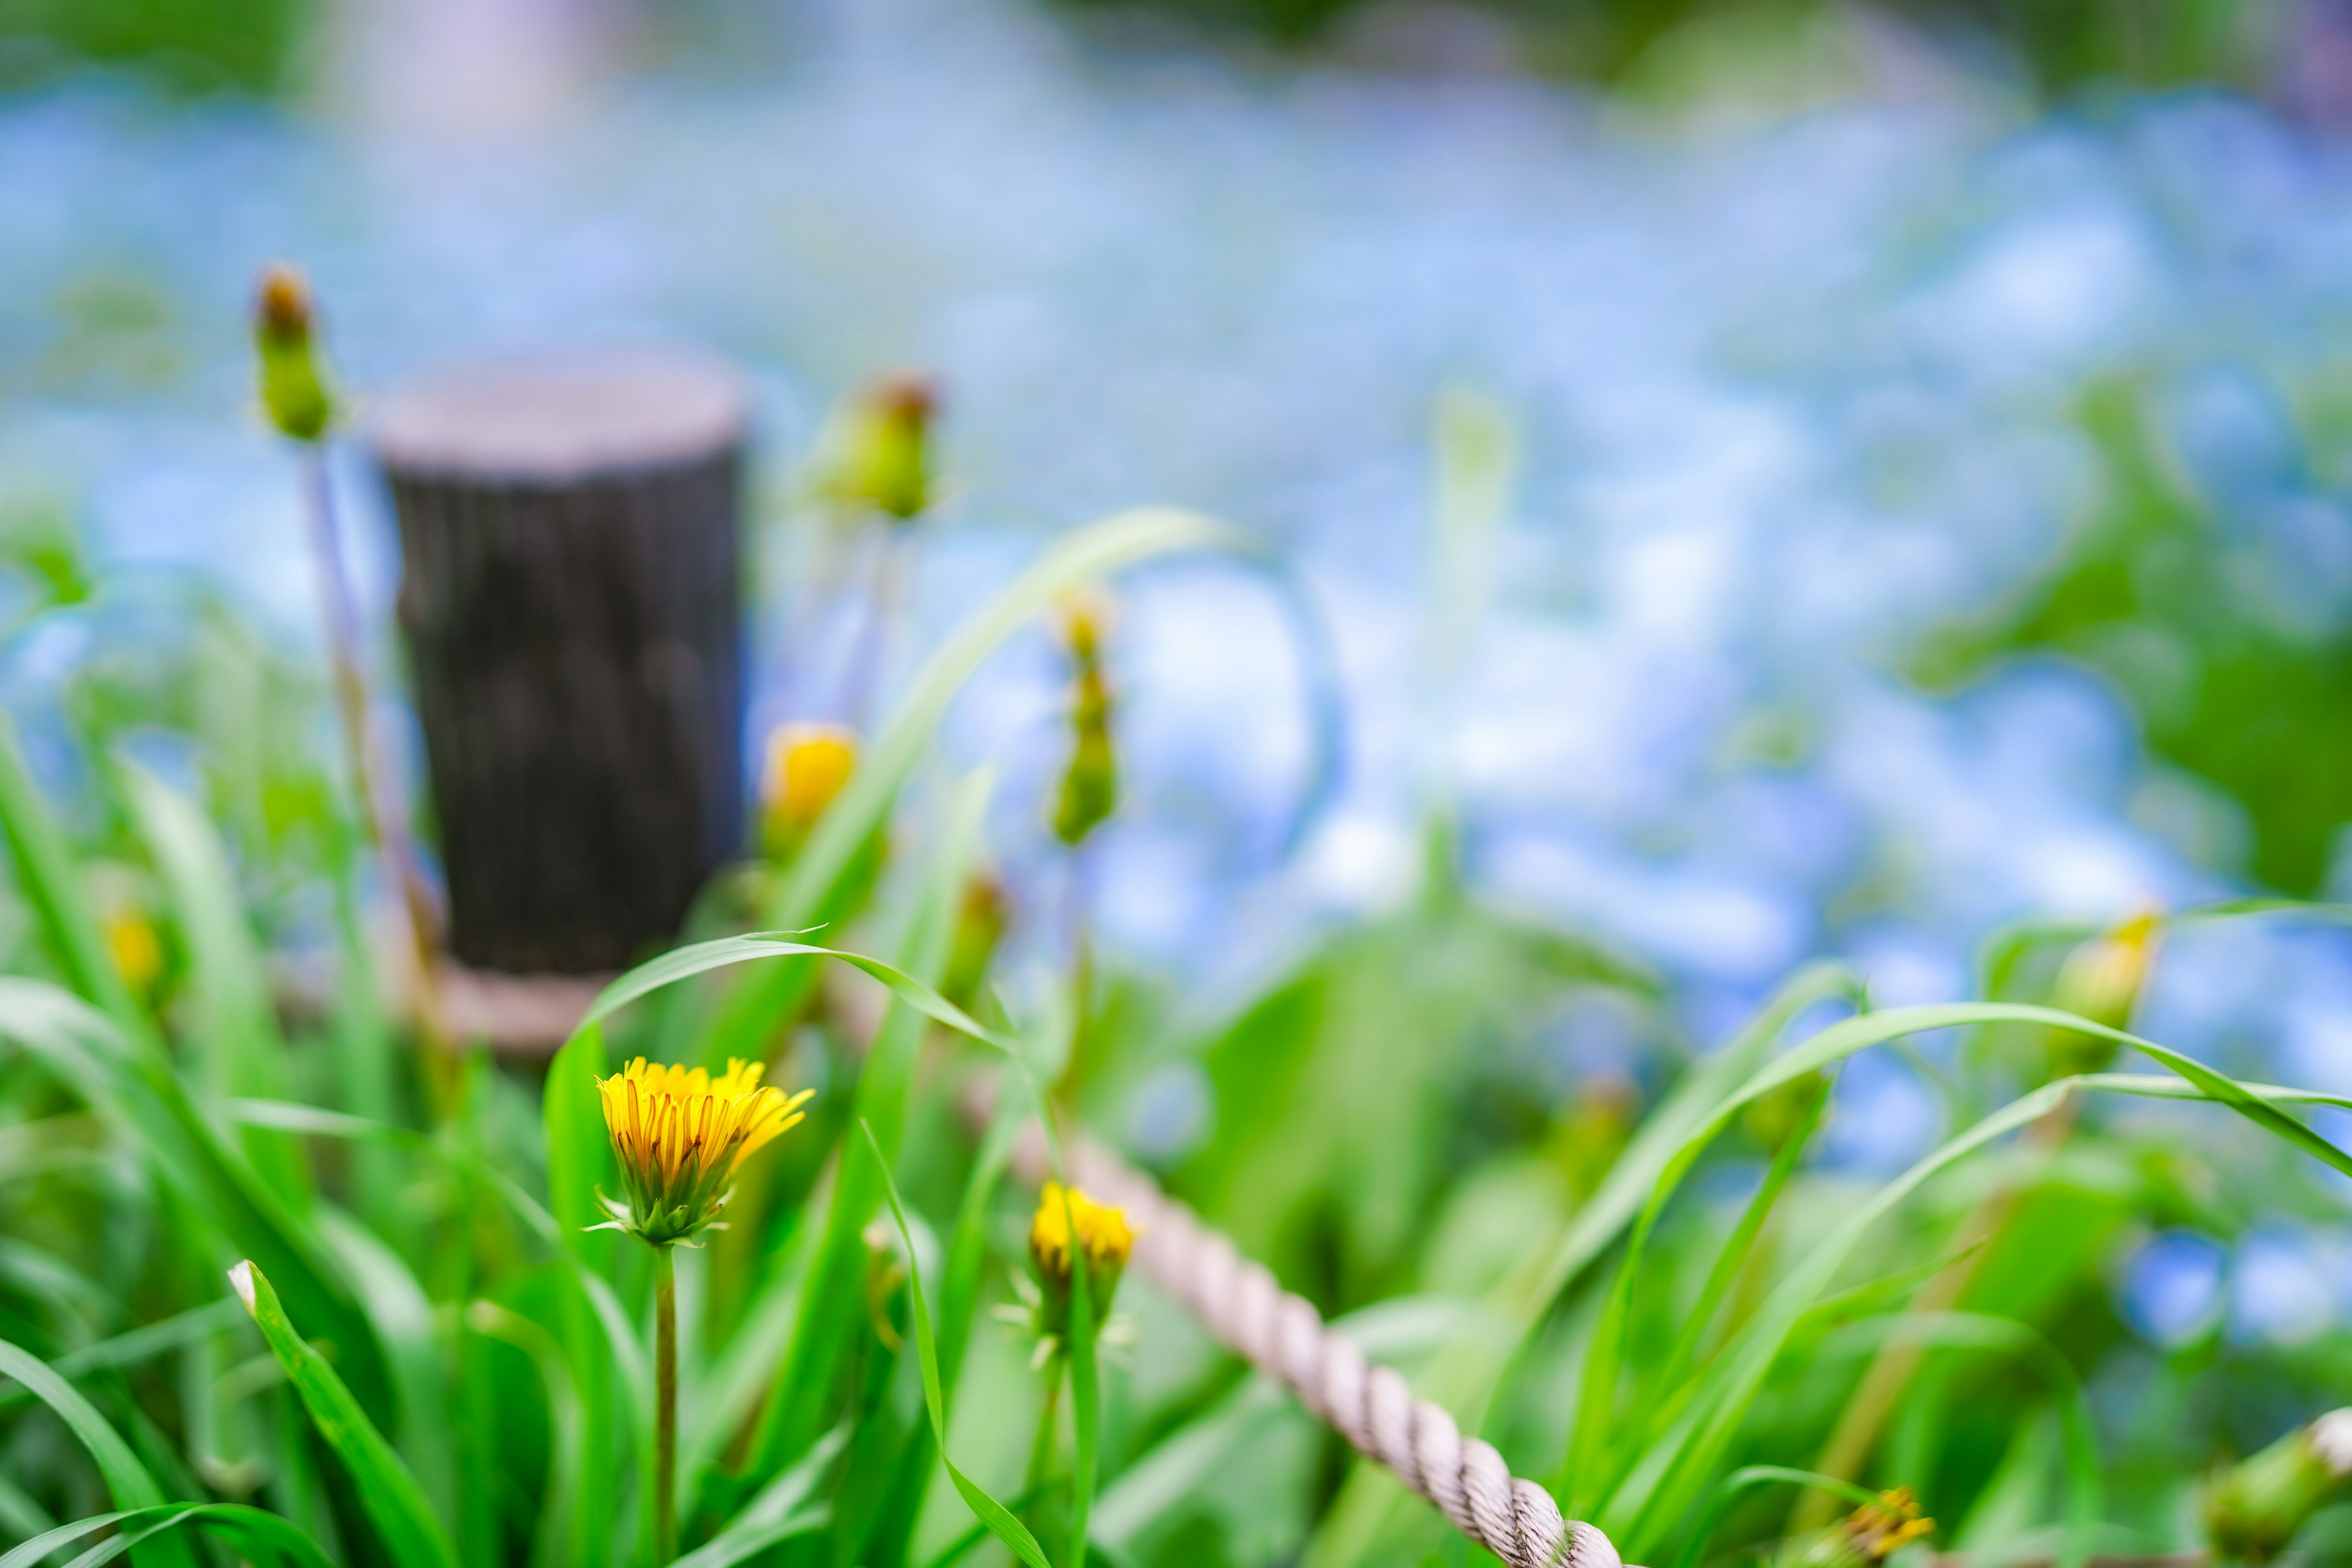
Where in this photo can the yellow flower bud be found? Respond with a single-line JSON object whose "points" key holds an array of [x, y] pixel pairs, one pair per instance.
{"points": [[136, 950], [1867, 1536], [680, 1136], [1104, 1239], [808, 764], [293, 389]]}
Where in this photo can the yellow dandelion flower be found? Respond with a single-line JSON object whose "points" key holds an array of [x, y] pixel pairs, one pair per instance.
{"points": [[680, 1136], [808, 764]]}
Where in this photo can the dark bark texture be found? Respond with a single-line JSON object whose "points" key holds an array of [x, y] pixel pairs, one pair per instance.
{"points": [[574, 618]]}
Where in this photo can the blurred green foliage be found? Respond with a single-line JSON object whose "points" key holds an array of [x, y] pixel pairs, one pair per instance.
{"points": [[188, 45], [2158, 593]]}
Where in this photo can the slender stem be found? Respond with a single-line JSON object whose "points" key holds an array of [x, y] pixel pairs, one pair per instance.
{"points": [[379, 808], [873, 644], [1041, 1452], [665, 1407], [1078, 915]]}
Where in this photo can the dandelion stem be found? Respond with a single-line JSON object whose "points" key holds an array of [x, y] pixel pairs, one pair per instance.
{"points": [[664, 1407], [1041, 1452]]}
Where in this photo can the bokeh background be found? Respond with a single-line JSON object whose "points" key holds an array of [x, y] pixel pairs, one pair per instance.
{"points": [[1915, 441]]}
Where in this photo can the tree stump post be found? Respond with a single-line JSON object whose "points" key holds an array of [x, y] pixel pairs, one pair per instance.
{"points": [[571, 544]]}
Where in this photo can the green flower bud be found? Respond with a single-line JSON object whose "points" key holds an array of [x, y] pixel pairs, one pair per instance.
{"points": [[2255, 1508], [2101, 982], [1090, 783], [293, 390], [886, 464]]}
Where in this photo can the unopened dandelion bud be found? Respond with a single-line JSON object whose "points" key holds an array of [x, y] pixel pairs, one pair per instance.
{"points": [[981, 916], [808, 765], [1090, 782], [680, 1136], [1102, 1242], [285, 335], [2253, 1510], [1867, 1537], [2102, 981], [887, 463]]}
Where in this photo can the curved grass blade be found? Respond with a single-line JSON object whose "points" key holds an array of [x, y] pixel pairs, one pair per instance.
{"points": [[118, 1075], [568, 1515], [831, 1314], [51, 880], [1662, 1488], [238, 1045], [250, 1527], [1465, 1374], [778, 1512], [1740, 1480], [388, 1491], [128, 1481], [1978, 1330], [742, 1024], [991, 1512]]}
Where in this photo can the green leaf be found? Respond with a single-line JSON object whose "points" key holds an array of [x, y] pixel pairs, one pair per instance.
{"points": [[831, 854], [135, 1088], [388, 1491], [571, 1518], [51, 880], [1741, 1481], [1976, 1331], [777, 1514], [832, 1303], [140, 1528], [237, 1048], [1462, 1377], [127, 1481], [986, 1508], [579, 1151]]}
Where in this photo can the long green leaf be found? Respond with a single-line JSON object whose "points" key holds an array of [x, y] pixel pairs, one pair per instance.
{"points": [[144, 1527], [1976, 1331], [127, 1481], [779, 1510], [387, 1490], [986, 1508], [238, 1047], [569, 1514], [1462, 1377], [133, 1086], [51, 880], [743, 1024], [831, 1313], [1661, 1490]]}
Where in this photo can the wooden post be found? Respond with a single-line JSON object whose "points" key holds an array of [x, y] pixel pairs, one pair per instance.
{"points": [[571, 540]]}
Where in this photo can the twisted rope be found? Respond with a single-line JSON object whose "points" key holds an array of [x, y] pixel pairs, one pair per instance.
{"points": [[1242, 1305]]}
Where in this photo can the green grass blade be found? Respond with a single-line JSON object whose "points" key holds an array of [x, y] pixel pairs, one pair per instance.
{"points": [[85, 1049], [832, 1309], [831, 854], [1464, 1376], [51, 880], [387, 1490], [570, 1516], [237, 1047], [128, 1481], [1976, 1331], [579, 1151], [1741, 1481], [779, 1510], [249, 1527], [986, 1508]]}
